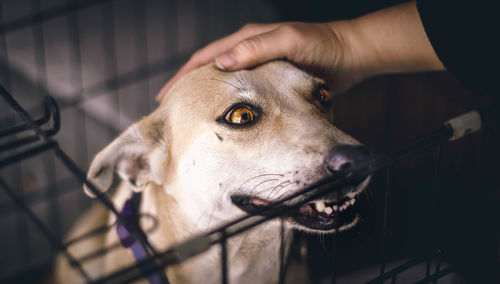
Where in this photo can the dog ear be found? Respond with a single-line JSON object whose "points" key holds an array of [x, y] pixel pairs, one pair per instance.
{"points": [[132, 156]]}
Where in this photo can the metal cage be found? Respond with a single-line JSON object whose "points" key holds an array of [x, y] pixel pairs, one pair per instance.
{"points": [[74, 69]]}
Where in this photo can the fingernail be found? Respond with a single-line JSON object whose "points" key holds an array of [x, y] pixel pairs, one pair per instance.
{"points": [[225, 61]]}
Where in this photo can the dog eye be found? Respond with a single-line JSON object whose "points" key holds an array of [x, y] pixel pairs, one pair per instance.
{"points": [[322, 97], [240, 115]]}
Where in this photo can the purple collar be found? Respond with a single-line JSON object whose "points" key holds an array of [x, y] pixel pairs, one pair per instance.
{"points": [[128, 239]]}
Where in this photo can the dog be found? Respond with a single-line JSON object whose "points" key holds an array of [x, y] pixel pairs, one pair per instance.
{"points": [[219, 145]]}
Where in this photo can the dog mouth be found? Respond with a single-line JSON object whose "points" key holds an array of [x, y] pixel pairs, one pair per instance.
{"points": [[319, 215]]}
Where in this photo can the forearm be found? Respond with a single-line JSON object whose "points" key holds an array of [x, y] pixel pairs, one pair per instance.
{"points": [[344, 53], [391, 40]]}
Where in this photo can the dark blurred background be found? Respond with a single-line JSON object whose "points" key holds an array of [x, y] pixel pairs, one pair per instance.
{"points": [[104, 61]]}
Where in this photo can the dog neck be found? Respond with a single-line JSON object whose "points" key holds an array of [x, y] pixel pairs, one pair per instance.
{"points": [[255, 252]]}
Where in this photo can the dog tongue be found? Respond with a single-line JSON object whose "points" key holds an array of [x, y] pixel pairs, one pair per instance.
{"points": [[259, 202], [306, 209]]}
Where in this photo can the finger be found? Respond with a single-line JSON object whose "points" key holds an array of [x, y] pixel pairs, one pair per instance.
{"points": [[278, 43], [185, 69], [208, 53]]}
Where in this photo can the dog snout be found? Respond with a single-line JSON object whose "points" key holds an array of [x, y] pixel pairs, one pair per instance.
{"points": [[345, 157]]}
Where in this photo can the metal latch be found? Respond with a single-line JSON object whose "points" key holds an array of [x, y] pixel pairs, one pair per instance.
{"points": [[464, 124]]}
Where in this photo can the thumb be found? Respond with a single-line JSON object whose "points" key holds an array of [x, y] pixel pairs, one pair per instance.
{"points": [[255, 50]]}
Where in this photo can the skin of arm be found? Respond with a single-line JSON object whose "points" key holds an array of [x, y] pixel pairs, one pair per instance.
{"points": [[390, 40]]}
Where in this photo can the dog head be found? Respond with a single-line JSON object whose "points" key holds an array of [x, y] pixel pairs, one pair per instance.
{"points": [[222, 142]]}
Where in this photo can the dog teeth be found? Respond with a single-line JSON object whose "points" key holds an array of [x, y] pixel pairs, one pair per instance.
{"points": [[328, 210], [321, 207]]}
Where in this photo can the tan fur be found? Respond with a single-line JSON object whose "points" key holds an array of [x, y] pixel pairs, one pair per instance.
{"points": [[187, 164], [94, 218]]}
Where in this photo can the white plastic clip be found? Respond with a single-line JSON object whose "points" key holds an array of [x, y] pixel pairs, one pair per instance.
{"points": [[464, 125]]}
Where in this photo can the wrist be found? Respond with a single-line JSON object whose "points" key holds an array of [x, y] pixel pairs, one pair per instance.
{"points": [[390, 40], [358, 58]]}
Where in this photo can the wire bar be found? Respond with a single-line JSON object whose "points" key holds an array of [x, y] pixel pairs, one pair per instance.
{"points": [[437, 166], [20, 142], [103, 251], [383, 237], [76, 75], [396, 270], [438, 266], [436, 276], [64, 158], [39, 54], [201, 243], [38, 17], [312, 192], [27, 153], [4, 70], [123, 80], [23, 126], [43, 229], [138, 234], [109, 50], [224, 264], [38, 140], [51, 110], [73, 33], [334, 244], [428, 268], [126, 79], [281, 278], [141, 55], [67, 185], [102, 230]]}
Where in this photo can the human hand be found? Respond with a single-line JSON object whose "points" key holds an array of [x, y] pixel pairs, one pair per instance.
{"points": [[390, 40], [315, 47]]}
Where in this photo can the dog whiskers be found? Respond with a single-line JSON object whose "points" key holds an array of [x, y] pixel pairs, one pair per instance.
{"points": [[255, 187], [368, 193], [201, 216], [278, 187], [259, 176], [284, 193], [232, 85], [265, 189], [198, 221], [322, 241], [272, 188], [241, 80], [210, 220]]}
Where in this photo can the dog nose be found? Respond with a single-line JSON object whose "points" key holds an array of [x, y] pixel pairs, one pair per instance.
{"points": [[345, 157]]}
